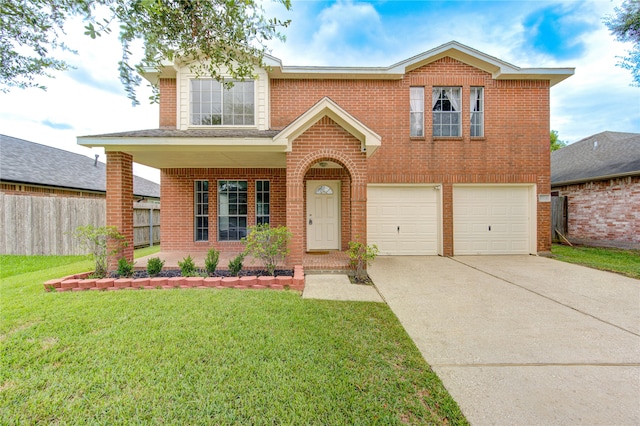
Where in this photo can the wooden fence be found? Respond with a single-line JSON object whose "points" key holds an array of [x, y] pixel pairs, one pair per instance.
{"points": [[558, 217], [36, 225]]}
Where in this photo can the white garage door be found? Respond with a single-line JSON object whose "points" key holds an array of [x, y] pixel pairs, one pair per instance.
{"points": [[403, 220], [491, 220]]}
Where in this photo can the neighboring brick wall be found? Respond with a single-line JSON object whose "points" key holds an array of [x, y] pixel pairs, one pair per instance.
{"points": [[177, 194], [515, 148], [168, 113], [607, 210], [47, 191]]}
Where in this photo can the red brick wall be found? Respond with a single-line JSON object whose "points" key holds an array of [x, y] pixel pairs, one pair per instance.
{"points": [[177, 195], [168, 113], [326, 141], [607, 210], [514, 149], [120, 200]]}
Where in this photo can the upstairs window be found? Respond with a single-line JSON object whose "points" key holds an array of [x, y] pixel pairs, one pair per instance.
{"points": [[214, 105], [446, 106], [416, 99], [477, 111]]}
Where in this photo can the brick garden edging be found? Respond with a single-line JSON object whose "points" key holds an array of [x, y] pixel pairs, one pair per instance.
{"points": [[79, 282]]}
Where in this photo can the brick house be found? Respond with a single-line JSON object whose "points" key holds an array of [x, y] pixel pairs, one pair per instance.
{"points": [[444, 153], [600, 178]]}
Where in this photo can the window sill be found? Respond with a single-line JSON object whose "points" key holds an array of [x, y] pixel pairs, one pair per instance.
{"points": [[477, 138], [448, 138], [417, 138]]}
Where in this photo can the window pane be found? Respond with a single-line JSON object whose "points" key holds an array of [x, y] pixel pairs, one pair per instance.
{"points": [[211, 104], [446, 111], [201, 210]]}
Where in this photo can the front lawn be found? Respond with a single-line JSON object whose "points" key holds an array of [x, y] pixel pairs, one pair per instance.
{"points": [[193, 356], [626, 262]]}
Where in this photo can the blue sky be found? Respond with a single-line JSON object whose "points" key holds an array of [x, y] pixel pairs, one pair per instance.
{"points": [[90, 100]]}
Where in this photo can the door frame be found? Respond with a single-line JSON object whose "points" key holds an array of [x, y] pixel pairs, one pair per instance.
{"points": [[336, 185]]}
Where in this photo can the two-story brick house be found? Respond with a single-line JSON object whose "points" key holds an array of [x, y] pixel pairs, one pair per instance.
{"points": [[445, 153]]}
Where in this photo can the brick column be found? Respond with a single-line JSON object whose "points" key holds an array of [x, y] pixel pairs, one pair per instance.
{"points": [[120, 200], [295, 219], [447, 219]]}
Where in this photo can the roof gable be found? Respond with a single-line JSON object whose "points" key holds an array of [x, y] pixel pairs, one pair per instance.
{"points": [[499, 70], [33, 163], [600, 156], [369, 139]]}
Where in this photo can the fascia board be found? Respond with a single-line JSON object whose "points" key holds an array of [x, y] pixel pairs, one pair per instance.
{"points": [[185, 144]]}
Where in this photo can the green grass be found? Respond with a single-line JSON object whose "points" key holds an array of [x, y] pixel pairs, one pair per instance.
{"points": [[146, 251], [626, 262], [195, 356]]}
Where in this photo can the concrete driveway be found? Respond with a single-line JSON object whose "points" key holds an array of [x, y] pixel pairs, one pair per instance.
{"points": [[522, 339]]}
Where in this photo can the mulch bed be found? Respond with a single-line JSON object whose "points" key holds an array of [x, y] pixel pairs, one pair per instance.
{"points": [[170, 273]]}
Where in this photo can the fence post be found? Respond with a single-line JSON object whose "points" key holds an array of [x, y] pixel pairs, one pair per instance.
{"points": [[150, 226]]}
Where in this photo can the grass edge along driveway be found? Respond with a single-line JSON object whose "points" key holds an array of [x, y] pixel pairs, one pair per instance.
{"points": [[193, 356]]}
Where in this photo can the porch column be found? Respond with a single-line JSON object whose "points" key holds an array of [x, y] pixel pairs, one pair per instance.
{"points": [[295, 220], [359, 211], [120, 200]]}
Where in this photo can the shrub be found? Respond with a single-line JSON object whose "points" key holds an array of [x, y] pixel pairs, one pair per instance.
{"points": [[211, 262], [101, 243], [268, 244], [154, 266], [187, 267], [235, 265], [360, 256], [125, 268]]}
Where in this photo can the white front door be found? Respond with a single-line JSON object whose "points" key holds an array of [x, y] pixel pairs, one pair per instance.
{"points": [[323, 215]]}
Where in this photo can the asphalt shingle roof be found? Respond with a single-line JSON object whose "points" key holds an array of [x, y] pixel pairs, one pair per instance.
{"points": [[601, 155], [33, 163], [192, 133]]}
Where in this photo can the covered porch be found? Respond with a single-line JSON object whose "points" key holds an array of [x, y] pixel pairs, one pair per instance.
{"points": [[313, 262]]}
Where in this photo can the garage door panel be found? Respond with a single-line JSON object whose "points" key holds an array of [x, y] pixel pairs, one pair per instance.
{"points": [[491, 220], [413, 209]]}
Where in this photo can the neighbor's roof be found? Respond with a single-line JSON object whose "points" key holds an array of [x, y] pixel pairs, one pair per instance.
{"points": [[601, 156], [32, 163]]}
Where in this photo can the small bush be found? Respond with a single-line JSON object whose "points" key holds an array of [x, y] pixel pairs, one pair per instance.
{"points": [[125, 268], [360, 256], [101, 242], [211, 262], [188, 267], [154, 266], [268, 244], [235, 265]]}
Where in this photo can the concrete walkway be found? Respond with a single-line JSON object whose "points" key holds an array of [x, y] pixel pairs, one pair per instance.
{"points": [[338, 287], [522, 340]]}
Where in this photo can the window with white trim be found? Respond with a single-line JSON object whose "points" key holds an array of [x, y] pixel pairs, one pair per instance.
{"points": [[416, 100], [262, 202], [477, 111], [232, 210], [214, 105], [446, 106], [201, 221]]}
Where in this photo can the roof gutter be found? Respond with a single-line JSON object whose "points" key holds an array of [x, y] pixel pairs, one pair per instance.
{"points": [[595, 178]]}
